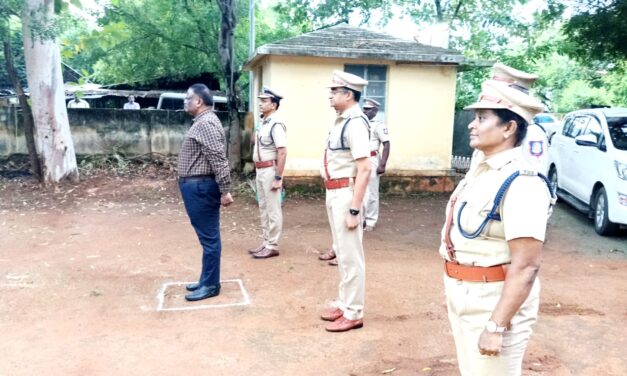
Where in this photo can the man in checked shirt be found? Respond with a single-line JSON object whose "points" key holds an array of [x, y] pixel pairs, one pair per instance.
{"points": [[204, 181]]}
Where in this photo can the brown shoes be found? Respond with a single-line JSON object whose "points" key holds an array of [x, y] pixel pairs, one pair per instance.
{"points": [[329, 255], [332, 314], [266, 253], [343, 324], [255, 250]]}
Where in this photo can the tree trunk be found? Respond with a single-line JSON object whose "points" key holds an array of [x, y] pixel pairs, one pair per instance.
{"points": [[29, 126], [226, 48], [45, 81]]}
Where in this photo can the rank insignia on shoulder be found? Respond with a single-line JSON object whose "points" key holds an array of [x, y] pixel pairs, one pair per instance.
{"points": [[536, 148]]}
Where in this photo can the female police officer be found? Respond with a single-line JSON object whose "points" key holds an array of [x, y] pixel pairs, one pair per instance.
{"points": [[492, 239]]}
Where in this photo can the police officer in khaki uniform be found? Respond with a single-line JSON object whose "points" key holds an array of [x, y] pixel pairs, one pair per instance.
{"points": [[493, 236], [269, 155], [378, 160], [535, 145], [346, 170]]}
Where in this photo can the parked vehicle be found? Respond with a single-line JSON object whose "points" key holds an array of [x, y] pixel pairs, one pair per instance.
{"points": [[548, 122], [588, 165], [174, 101]]}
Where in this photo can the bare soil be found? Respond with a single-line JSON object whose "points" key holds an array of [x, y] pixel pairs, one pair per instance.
{"points": [[81, 268]]}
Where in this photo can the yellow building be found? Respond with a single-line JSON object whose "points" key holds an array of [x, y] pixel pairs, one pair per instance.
{"points": [[414, 83]]}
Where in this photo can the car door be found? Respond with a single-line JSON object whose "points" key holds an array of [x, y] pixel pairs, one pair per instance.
{"points": [[557, 154], [568, 153], [588, 162]]}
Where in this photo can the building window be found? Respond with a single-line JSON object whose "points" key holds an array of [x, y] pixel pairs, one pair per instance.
{"points": [[376, 75]]}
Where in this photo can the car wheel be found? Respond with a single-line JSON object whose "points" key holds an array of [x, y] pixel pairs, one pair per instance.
{"points": [[602, 224], [553, 178]]}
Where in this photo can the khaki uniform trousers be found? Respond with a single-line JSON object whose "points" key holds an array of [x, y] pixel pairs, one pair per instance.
{"points": [[350, 254], [470, 306], [269, 207], [372, 195]]}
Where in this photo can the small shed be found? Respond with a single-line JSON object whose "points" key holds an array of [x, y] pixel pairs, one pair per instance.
{"points": [[414, 83]]}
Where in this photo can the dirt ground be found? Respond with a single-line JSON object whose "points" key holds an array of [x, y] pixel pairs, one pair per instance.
{"points": [[82, 267]]}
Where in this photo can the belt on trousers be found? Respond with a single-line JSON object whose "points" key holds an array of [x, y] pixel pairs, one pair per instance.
{"points": [[264, 164], [187, 179], [475, 273], [373, 153], [337, 183]]}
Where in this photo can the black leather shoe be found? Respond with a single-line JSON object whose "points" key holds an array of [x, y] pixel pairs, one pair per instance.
{"points": [[192, 286], [203, 292]]}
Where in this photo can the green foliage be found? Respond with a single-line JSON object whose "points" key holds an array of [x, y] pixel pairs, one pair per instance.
{"points": [[599, 32], [469, 86], [143, 40], [140, 41], [616, 82], [580, 94], [308, 15], [10, 30]]}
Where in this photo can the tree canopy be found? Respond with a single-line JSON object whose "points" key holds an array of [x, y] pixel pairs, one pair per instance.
{"points": [[599, 32], [141, 40]]}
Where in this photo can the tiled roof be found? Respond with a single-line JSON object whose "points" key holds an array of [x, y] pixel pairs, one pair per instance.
{"points": [[345, 41]]}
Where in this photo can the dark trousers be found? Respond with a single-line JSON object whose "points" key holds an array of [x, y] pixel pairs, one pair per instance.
{"points": [[202, 203]]}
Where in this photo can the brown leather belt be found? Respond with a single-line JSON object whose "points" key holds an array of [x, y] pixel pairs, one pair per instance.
{"points": [[373, 153], [264, 164], [337, 183], [475, 273]]}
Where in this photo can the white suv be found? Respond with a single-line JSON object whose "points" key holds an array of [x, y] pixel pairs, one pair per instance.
{"points": [[588, 164]]}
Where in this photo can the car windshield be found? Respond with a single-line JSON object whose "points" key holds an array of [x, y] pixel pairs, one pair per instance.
{"points": [[617, 127], [543, 119]]}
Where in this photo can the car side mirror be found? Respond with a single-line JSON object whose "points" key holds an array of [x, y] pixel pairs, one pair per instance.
{"points": [[587, 140]]}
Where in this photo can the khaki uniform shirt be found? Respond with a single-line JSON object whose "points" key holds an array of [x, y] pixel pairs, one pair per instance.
{"points": [[270, 136], [378, 135], [524, 209], [340, 161]]}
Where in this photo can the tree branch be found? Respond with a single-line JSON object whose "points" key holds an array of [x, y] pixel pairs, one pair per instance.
{"points": [[457, 8]]}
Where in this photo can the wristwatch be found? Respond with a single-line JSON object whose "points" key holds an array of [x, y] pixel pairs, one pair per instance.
{"points": [[277, 177], [353, 211], [493, 327]]}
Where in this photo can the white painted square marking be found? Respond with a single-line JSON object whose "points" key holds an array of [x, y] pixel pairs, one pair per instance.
{"points": [[161, 297]]}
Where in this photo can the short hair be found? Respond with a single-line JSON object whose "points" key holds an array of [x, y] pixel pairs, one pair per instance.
{"points": [[275, 100], [203, 92], [356, 94], [506, 116]]}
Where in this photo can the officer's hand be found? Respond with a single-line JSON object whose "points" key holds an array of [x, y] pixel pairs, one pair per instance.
{"points": [[381, 170], [276, 184], [490, 343], [226, 199], [352, 221]]}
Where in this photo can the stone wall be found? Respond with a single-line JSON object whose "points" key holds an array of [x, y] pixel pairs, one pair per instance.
{"points": [[101, 131], [11, 134]]}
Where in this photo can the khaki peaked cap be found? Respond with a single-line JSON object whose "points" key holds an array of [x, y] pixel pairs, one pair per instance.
{"points": [[509, 75], [499, 95], [266, 92], [347, 80], [370, 103]]}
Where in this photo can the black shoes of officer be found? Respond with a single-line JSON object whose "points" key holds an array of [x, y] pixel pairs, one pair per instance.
{"points": [[192, 286], [203, 292]]}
